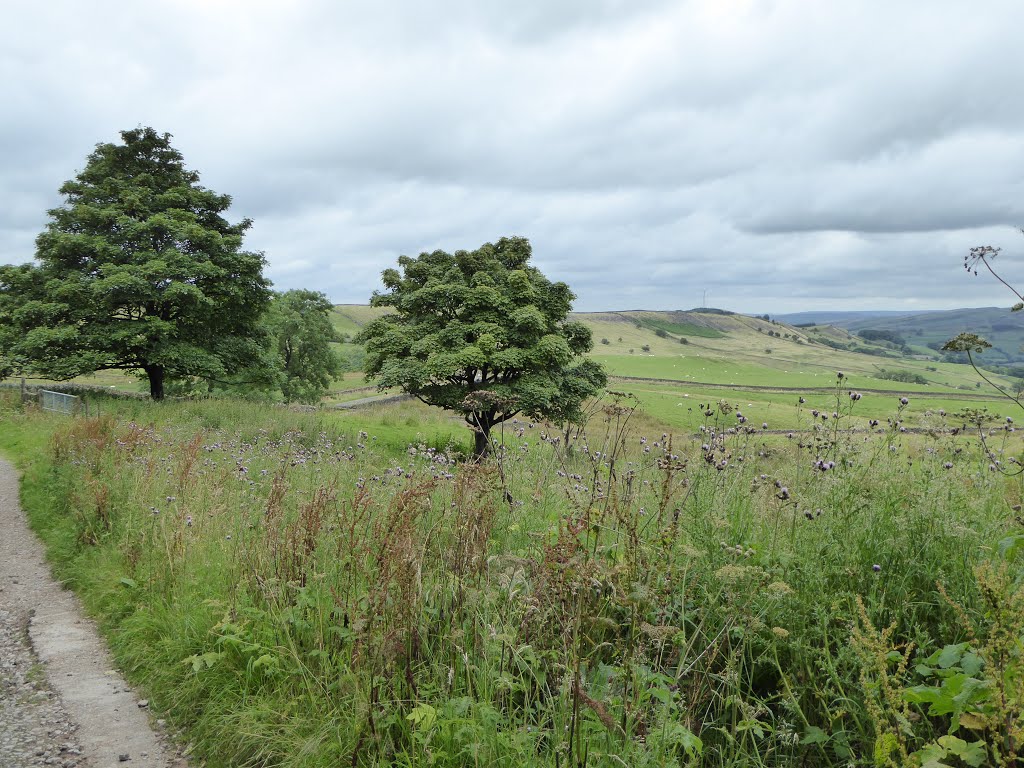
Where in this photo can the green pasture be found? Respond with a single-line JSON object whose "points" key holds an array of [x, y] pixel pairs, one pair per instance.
{"points": [[681, 408], [711, 367], [744, 356]]}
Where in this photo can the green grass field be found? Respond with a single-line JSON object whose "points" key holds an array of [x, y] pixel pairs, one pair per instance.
{"points": [[309, 589], [676, 587], [672, 379]]}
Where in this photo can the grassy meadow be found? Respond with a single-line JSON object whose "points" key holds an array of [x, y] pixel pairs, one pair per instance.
{"points": [[321, 588], [734, 564]]}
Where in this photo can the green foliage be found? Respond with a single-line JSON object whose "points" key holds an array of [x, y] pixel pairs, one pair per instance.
{"points": [[299, 322], [968, 700], [908, 377], [966, 342], [875, 334], [137, 270], [484, 334]]}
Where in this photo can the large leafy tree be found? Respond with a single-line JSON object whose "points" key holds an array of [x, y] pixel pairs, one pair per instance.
{"points": [[300, 325], [484, 334], [138, 270]]}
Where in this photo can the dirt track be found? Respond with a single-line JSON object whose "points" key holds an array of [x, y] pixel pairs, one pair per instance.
{"points": [[61, 702]]}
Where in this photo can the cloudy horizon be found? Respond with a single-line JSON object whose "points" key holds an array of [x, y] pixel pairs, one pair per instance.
{"points": [[773, 157]]}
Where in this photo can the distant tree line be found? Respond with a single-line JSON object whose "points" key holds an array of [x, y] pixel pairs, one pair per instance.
{"points": [[871, 334]]}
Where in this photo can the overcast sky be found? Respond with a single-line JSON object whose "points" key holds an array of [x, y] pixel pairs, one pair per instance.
{"points": [[781, 156]]}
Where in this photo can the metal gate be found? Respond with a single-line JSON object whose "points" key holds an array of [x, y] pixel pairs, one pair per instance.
{"points": [[59, 402]]}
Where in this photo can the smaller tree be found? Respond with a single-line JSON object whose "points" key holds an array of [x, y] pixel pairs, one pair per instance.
{"points": [[300, 324], [484, 334]]}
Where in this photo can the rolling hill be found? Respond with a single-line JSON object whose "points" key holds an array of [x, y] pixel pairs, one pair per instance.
{"points": [[928, 331], [716, 346], [1002, 328]]}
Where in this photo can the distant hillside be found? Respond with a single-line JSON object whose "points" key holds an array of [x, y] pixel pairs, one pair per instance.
{"points": [[716, 346], [1002, 328], [842, 319], [349, 319], [710, 346]]}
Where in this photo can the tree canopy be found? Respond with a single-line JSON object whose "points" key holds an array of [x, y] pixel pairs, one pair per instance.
{"points": [[300, 324], [484, 334], [138, 270]]}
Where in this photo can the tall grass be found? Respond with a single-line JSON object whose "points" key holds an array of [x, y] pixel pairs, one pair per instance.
{"points": [[296, 593]]}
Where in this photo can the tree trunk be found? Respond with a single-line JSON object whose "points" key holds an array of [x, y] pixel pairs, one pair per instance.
{"points": [[481, 444], [156, 381]]}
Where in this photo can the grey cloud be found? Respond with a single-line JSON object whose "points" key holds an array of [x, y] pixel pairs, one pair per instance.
{"points": [[781, 155]]}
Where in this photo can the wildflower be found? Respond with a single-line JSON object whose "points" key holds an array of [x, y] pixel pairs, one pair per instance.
{"points": [[783, 493], [764, 425], [839, 374], [876, 568], [904, 401], [948, 465], [855, 396], [802, 401], [188, 520]]}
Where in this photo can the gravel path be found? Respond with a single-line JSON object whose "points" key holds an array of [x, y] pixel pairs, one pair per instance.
{"points": [[61, 702]]}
